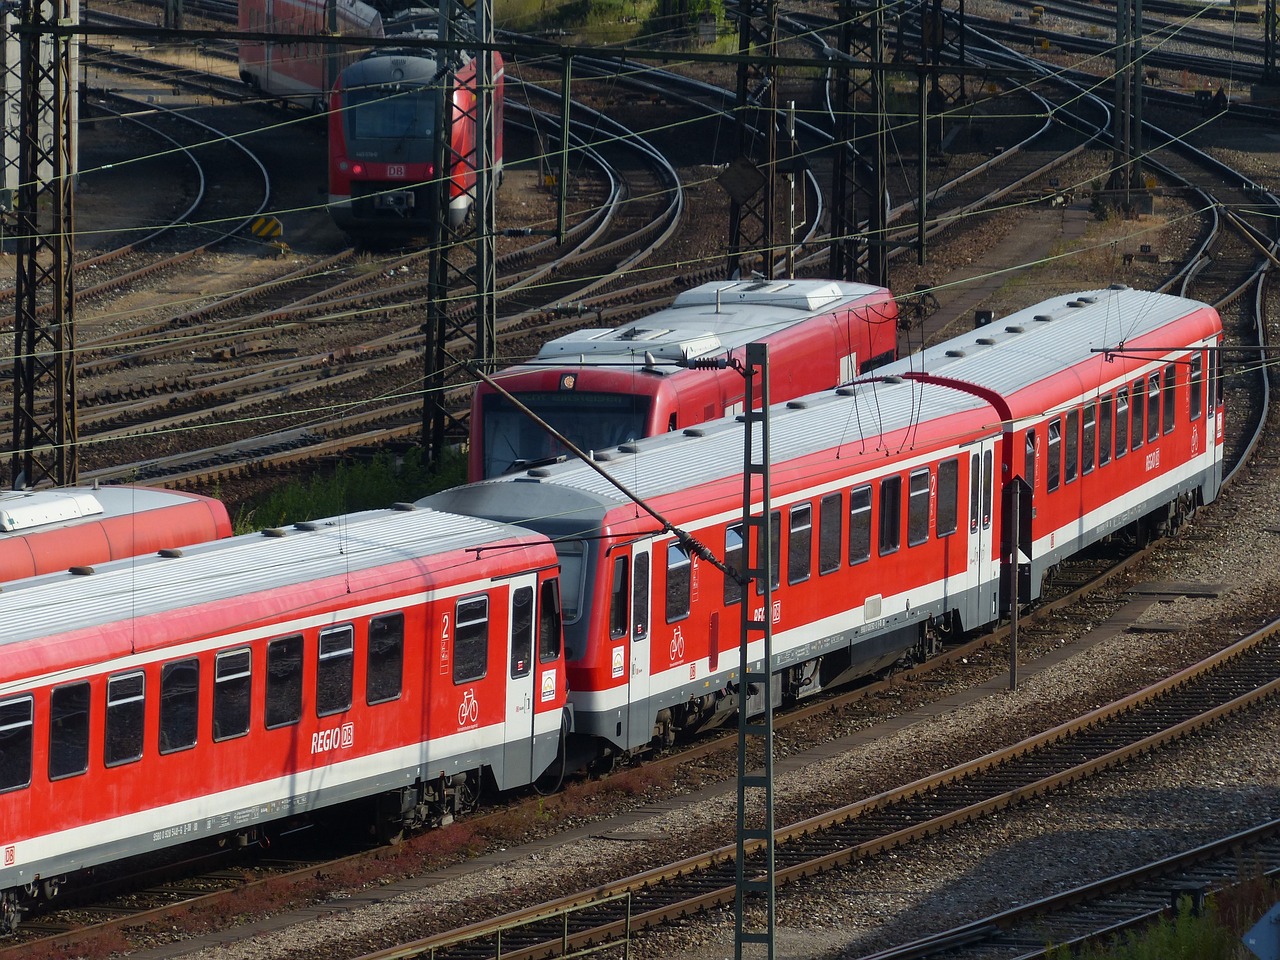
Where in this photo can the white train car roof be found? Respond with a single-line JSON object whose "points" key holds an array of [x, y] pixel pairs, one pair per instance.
{"points": [[882, 415], [215, 575], [1028, 348], [27, 511], [710, 319]]}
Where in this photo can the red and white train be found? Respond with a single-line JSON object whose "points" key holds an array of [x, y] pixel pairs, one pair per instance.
{"points": [[402, 657], [603, 387], [48, 530], [382, 143], [886, 508], [234, 686]]}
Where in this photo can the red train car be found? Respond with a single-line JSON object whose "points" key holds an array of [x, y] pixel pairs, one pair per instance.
{"points": [[400, 657], [304, 71], [43, 531], [886, 508], [382, 143], [603, 387]]}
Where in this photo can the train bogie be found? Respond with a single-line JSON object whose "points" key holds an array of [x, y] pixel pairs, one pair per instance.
{"points": [[603, 387]]}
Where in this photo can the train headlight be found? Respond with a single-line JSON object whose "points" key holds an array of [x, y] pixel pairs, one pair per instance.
{"points": [[357, 169]]}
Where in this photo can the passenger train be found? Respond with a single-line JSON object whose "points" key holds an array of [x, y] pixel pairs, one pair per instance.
{"points": [[238, 686], [603, 387], [886, 508], [402, 657], [382, 143]]}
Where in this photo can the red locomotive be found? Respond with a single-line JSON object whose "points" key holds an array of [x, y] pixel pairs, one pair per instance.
{"points": [[603, 387], [886, 508], [43, 531], [402, 656]]}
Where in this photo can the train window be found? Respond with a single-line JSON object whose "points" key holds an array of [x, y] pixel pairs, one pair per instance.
{"points": [[800, 543], [1217, 387], [975, 492], [775, 553], [859, 525], [948, 519], [571, 554], [987, 480], [679, 572], [284, 682], [126, 702], [232, 684], [1197, 386], [1053, 456], [471, 640], [918, 507], [1088, 437], [385, 659], [1153, 408], [17, 726], [1122, 422], [1169, 396], [521, 632], [619, 600], [549, 618], [890, 514], [1139, 411], [1029, 459], [179, 704], [68, 730], [1071, 446], [830, 528], [334, 669], [733, 560], [640, 596], [1104, 431]]}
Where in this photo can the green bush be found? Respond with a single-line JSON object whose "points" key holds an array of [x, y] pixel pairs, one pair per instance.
{"points": [[385, 479]]}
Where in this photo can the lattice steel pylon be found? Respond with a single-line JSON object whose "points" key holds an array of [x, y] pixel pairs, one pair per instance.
{"points": [[1126, 164], [465, 252], [859, 193], [44, 382], [752, 190]]}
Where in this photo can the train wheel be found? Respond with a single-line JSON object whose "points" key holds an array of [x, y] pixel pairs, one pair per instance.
{"points": [[9, 912], [602, 765], [388, 824]]}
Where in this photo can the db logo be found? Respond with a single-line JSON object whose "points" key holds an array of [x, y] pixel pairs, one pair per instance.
{"points": [[10, 856]]}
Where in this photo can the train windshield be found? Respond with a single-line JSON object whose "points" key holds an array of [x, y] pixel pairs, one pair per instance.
{"points": [[592, 421], [397, 121]]}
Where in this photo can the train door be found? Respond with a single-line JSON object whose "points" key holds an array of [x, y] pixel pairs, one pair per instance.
{"points": [[629, 637], [984, 562], [521, 676]]}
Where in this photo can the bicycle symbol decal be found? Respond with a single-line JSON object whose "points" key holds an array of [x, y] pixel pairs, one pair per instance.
{"points": [[469, 709], [677, 645]]}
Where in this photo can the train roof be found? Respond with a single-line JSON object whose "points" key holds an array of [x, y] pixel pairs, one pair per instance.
{"points": [[884, 415], [1029, 346], [710, 319], [225, 570], [24, 512]]}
